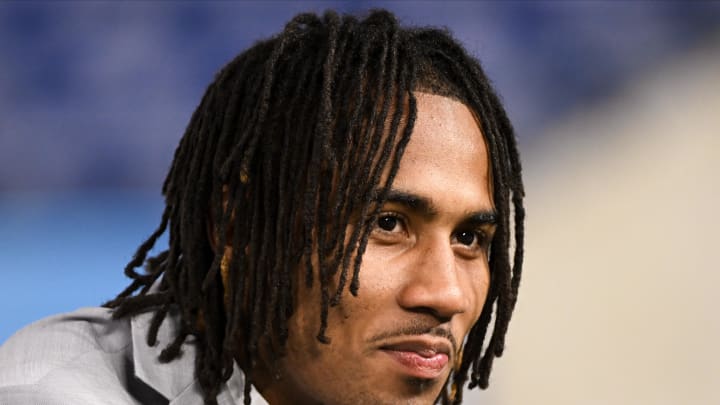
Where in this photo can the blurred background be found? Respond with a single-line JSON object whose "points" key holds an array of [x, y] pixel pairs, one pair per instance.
{"points": [[617, 111]]}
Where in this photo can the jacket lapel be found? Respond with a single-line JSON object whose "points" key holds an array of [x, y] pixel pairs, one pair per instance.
{"points": [[169, 379], [175, 380]]}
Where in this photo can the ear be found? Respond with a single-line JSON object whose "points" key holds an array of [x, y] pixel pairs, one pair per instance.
{"points": [[212, 237], [211, 224]]}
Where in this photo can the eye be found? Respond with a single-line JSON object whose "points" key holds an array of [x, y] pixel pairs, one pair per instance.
{"points": [[390, 227], [475, 240], [466, 237], [387, 223]]}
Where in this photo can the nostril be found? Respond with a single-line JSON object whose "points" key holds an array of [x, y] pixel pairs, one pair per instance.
{"points": [[440, 317], [442, 301]]}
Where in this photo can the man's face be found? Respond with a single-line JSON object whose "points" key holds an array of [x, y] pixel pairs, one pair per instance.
{"points": [[423, 280]]}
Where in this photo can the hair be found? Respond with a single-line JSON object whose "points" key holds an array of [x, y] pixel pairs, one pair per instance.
{"points": [[288, 159]]}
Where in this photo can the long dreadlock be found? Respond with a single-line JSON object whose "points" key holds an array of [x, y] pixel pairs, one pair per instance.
{"points": [[292, 150]]}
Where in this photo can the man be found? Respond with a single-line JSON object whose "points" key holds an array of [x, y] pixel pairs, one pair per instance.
{"points": [[339, 216]]}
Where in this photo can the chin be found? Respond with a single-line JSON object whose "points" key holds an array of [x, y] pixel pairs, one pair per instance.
{"points": [[406, 391], [415, 391]]}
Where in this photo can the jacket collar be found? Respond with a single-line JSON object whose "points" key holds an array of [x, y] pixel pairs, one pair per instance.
{"points": [[175, 380]]}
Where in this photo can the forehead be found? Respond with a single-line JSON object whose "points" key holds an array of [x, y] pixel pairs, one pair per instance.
{"points": [[447, 154], [446, 123]]}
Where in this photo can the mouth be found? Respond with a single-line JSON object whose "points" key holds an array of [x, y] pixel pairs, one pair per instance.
{"points": [[420, 358]]}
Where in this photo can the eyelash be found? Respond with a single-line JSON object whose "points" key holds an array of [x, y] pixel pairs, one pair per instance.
{"points": [[480, 242]]}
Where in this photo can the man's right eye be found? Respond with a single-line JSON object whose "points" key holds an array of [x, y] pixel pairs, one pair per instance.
{"points": [[390, 228], [387, 223], [390, 224]]}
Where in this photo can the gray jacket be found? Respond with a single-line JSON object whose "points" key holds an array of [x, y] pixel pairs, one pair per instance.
{"points": [[87, 358]]}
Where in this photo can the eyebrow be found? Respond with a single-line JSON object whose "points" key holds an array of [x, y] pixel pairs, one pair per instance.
{"points": [[488, 217], [414, 202], [425, 207]]}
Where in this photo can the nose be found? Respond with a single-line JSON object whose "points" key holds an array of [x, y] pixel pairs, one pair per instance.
{"points": [[432, 284]]}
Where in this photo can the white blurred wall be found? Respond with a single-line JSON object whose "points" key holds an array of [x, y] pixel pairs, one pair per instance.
{"points": [[620, 298]]}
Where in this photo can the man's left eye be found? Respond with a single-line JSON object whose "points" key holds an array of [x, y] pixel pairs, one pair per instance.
{"points": [[470, 239], [466, 237]]}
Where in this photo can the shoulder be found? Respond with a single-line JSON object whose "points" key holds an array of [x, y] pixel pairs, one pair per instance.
{"points": [[84, 341], [30, 395], [42, 394]]}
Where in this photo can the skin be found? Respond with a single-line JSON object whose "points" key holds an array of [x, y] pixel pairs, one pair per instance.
{"points": [[423, 280]]}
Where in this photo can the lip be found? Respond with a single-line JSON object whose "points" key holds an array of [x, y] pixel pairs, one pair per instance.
{"points": [[420, 358]]}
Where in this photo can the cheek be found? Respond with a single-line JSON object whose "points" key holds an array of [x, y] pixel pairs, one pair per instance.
{"points": [[478, 283], [304, 324], [381, 275]]}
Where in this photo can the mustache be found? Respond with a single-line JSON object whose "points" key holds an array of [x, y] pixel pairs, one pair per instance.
{"points": [[416, 327]]}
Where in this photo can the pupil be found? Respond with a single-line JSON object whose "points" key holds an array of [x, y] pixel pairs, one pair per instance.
{"points": [[387, 223], [466, 238]]}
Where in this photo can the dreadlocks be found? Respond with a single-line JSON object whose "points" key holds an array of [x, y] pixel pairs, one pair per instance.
{"points": [[289, 157]]}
